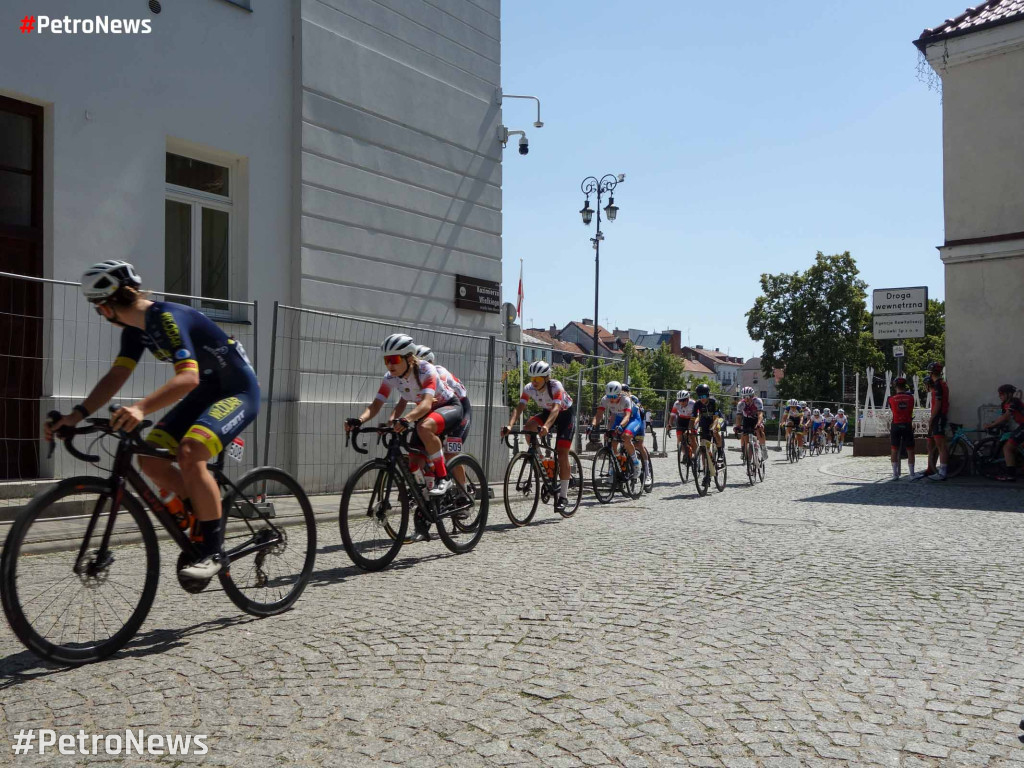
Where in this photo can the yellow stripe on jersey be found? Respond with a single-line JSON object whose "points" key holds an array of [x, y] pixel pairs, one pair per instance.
{"points": [[186, 365], [125, 362]]}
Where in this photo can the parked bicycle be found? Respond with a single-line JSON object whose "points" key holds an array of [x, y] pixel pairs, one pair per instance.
{"points": [[532, 477], [381, 494], [613, 471], [989, 459], [80, 566]]}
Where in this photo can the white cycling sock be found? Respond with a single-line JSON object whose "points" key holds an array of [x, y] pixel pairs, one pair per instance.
{"points": [[564, 485]]}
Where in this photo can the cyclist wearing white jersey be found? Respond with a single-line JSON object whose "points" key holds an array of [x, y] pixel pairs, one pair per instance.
{"points": [[557, 415], [750, 419]]}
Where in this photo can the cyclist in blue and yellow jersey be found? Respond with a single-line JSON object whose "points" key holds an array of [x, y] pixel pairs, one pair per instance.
{"points": [[213, 380], [624, 416]]}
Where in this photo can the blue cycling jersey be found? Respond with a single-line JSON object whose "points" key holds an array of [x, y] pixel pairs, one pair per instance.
{"points": [[187, 338]]}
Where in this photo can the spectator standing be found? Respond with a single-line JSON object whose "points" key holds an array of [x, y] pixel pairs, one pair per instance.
{"points": [[901, 434], [937, 424]]}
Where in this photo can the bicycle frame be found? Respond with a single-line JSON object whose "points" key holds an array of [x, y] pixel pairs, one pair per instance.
{"points": [[394, 443], [551, 484]]}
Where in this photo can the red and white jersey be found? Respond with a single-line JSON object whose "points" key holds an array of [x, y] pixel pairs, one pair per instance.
{"points": [[547, 397], [452, 381], [751, 409], [683, 410], [623, 407], [412, 391]]}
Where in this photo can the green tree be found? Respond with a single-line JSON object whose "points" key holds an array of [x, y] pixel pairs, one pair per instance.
{"points": [[811, 324]]}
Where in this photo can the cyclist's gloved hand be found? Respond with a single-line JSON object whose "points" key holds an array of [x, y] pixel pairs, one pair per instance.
{"points": [[56, 421], [505, 430], [352, 423], [401, 425]]}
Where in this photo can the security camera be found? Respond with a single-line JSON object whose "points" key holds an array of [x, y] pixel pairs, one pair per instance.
{"points": [[524, 146]]}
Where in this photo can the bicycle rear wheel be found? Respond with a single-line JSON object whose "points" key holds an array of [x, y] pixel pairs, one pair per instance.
{"points": [[723, 470], [521, 490], [374, 515], [71, 617], [959, 458], [270, 538], [762, 465], [602, 475], [462, 512], [575, 486], [749, 463]]}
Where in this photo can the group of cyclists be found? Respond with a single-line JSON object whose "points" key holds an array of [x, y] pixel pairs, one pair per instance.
{"points": [[808, 424]]}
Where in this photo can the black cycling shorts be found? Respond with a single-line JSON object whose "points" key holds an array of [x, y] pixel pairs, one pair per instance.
{"points": [[937, 426], [704, 428], [1017, 436], [749, 425], [902, 435], [212, 414], [682, 425], [448, 418], [794, 422], [564, 427]]}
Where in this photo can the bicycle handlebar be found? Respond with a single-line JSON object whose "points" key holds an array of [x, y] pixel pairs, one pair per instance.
{"points": [[68, 434], [382, 430], [544, 440]]}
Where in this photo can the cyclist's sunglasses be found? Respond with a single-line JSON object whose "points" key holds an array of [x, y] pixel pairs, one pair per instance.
{"points": [[392, 359]]}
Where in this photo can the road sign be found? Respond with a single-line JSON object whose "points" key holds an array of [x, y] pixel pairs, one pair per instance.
{"points": [[899, 301], [899, 327], [897, 350]]}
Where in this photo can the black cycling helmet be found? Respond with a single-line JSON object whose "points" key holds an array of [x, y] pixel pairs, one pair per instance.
{"points": [[935, 367], [1007, 389], [900, 381], [703, 390]]}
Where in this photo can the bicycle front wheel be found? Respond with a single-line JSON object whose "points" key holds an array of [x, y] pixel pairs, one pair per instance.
{"points": [[462, 513], [683, 461], [575, 486], [701, 471], [648, 475], [374, 515], [602, 475], [723, 470], [67, 597], [521, 490], [749, 461], [270, 539]]}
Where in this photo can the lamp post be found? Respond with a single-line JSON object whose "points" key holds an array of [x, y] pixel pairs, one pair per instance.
{"points": [[598, 187]]}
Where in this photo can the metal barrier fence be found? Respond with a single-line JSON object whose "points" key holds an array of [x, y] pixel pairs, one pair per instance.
{"points": [[326, 367], [53, 349]]}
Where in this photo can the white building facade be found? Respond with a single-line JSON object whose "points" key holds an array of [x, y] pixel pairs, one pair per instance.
{"points": [[328, 154], [980, 57]]}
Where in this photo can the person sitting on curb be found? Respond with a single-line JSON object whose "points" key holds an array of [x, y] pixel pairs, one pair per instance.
{"points": [[1013, 411]]}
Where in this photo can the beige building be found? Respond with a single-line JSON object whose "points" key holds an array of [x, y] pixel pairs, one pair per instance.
{"points": [[979, 56]]}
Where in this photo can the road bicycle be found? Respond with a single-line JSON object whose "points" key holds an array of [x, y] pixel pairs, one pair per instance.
{"points": [[792, 449], [532, 478], [381, 494], [80, 566], [989, 459], [709, 463], [613, 471], [753, 457], [684, 459]]}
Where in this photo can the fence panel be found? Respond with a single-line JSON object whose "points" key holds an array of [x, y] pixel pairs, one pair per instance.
{"points": [[327, 367], [53, 349]]}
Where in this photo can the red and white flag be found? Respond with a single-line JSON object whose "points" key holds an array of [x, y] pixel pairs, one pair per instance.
{"points": [[519, 298]]}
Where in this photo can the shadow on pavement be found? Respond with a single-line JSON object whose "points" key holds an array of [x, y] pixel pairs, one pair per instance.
{"points": [[917, 494]]}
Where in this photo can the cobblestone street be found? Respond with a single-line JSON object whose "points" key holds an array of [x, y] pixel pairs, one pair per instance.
{"points": [[824, 617]]}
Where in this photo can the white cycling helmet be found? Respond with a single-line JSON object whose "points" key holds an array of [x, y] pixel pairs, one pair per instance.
{"points": [[841, 412], [683, 394], [398, 344], [747, 392], [802, 404], [816, 412], [539, 368], [423, 352], [827, 411], [102, 280], [613, 389]]}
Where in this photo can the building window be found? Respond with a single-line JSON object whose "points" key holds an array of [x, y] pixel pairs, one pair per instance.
{"points": [[198, 209], [764, 393]]}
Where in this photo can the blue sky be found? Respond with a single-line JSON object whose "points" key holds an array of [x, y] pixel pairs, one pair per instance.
{"points": [[752, 135]]}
